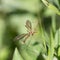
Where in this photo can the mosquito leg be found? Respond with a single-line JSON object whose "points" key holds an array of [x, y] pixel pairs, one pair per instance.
{"points": [[26, 38]]}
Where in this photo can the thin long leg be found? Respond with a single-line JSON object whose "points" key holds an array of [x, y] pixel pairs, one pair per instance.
{"points": [[27, 36]]}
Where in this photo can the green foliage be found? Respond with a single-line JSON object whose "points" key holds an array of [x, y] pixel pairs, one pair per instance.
{"points": [[44, 18]]}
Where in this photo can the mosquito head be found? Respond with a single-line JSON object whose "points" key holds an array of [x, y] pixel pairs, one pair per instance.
{"points": [[32, 32]]}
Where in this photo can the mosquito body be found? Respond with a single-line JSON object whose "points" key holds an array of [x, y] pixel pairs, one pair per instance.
{"points": [[27, 35]]}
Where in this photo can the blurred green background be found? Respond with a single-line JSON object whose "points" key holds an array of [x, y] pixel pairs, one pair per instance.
{"points": [[44, 45]]}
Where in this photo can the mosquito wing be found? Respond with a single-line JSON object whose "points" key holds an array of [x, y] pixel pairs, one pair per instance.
{"points": [[20, 37], [28, 25]]}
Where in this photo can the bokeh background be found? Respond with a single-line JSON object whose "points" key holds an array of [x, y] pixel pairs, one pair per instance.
{"points": [[13, 17]]}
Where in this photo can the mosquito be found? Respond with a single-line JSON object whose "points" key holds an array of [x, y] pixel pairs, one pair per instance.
{"points": [[27, 35]]}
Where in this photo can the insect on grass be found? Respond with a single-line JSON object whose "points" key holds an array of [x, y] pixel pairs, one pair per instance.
{"points": [[27, 35]]}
